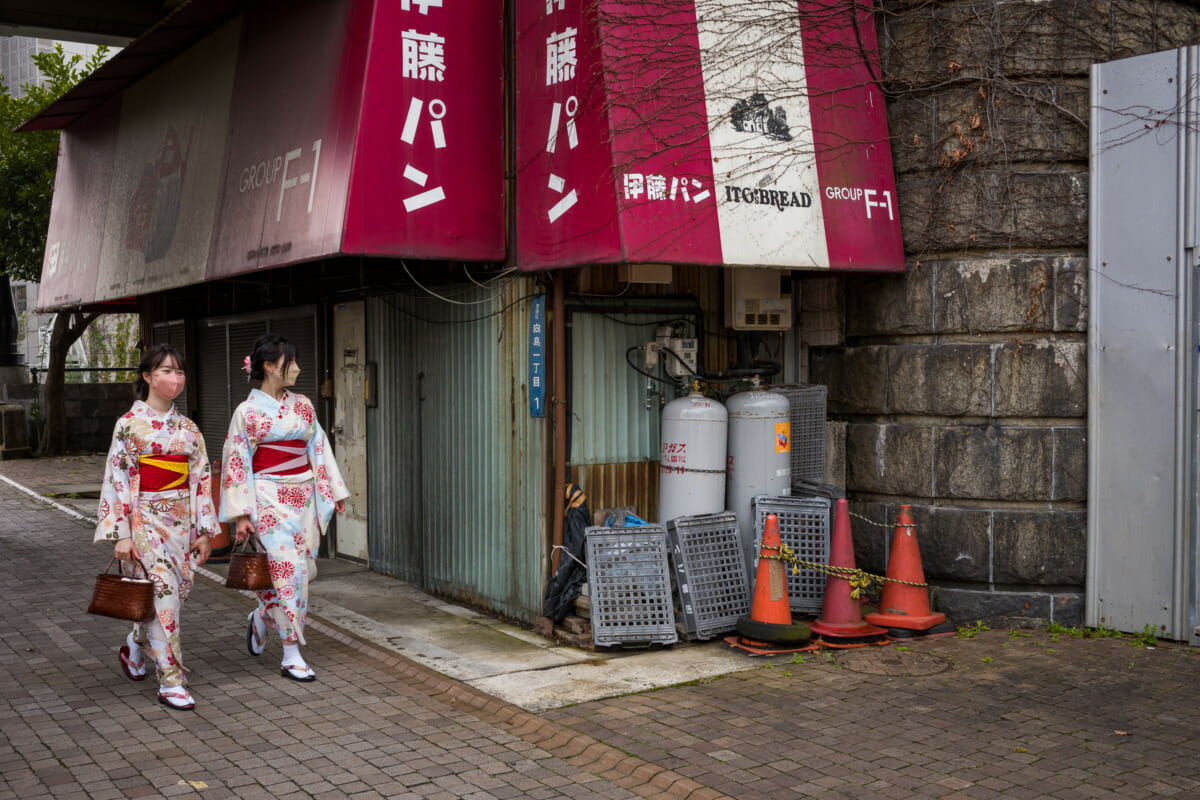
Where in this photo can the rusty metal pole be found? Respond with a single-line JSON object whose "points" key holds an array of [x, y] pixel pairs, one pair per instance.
{"points": [[559, 404]]}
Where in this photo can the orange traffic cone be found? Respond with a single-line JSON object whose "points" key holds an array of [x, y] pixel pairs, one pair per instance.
{"points": [[841, 614], [770, 618], [903, 605]]}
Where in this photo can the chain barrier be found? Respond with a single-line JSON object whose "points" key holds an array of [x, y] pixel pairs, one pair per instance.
{"points": [[881, 524], [859, 580]]}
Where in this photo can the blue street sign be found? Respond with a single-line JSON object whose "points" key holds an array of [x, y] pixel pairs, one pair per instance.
{"points": [[537, 357]]}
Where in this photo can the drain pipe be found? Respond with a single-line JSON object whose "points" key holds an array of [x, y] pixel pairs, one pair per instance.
{"points": [[559, 403]]}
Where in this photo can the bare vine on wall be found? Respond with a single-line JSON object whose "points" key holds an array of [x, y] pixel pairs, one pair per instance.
{"points": [[989, 111]]}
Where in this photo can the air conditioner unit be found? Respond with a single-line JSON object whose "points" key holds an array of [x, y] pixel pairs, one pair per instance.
{"points": [[754, 302]]}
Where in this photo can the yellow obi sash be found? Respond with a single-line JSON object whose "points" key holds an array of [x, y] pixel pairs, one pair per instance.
{"points": [[160, 473]]}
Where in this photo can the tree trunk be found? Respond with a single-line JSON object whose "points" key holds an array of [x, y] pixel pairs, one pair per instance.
{"points": [[68, 327]]}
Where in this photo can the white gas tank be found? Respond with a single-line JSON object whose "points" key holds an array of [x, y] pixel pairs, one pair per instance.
{"points": [[760, 452], [691, 471]]}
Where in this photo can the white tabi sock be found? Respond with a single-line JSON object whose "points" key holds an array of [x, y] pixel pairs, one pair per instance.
{"points": [[291, 655], [135, 650]]}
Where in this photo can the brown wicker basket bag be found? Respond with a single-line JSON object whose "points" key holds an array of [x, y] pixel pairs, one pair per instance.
{"points": [[122, 597], [248, 569]]}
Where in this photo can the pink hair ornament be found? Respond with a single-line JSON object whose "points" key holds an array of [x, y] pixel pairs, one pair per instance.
{"points": [[246, 364]]}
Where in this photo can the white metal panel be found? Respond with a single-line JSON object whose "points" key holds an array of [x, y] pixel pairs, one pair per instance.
{"points": [[349, 425], [1141, 351]]}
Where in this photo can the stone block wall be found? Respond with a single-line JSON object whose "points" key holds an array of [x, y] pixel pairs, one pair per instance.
{"points": [[963, 383], [92, 410]]}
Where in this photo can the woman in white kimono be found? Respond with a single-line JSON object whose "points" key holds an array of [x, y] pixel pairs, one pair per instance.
{"points": [[279, 480], [156, 507]]}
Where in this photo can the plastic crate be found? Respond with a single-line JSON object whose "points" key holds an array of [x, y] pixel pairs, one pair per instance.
{"points": [[803, 488], [629, 586], [804, 525], [807, 412], [818, 489], [710, 573]]}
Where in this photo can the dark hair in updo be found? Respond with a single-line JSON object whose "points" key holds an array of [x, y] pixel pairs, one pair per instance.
{"points": [[270, 347], [151, 360]]}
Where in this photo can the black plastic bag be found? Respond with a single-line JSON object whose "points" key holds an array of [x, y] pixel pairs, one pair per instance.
{"points": [[564, 585]]}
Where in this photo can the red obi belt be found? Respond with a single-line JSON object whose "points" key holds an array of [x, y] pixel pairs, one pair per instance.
{"points": [[289, 457], [161, 473]]}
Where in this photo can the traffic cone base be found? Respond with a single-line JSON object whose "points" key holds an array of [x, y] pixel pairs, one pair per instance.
{"points": [[756, 648], [847, 644], [896, 618], [755, 631], [841, 613], [846, 630], [905, 599], [770, 617]]}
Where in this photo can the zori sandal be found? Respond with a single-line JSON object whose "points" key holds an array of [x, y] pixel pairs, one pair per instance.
{"points": [[135, 672], [298, 672], [256, 634], [177, 698]]}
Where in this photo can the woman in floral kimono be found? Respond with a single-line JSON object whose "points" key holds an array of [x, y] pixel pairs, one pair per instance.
{"points": [[279, 479], [156, 506]]}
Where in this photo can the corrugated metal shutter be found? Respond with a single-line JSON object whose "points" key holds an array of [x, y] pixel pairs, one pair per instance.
{"points": [[212, 386], [302, 332], [222, 344], [457, 480], [394, 539]]}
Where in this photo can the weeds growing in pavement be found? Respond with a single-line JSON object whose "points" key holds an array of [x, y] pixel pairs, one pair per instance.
{"points": [[974, 629], [1147, 638], [1102, 631], [1057, 630]]}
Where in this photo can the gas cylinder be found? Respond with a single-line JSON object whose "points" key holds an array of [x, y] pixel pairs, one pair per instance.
{"points": [[691, 467], [760, 448]]}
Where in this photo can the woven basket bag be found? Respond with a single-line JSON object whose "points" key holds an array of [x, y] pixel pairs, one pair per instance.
{"points": [[122, 597], [248, 569]]}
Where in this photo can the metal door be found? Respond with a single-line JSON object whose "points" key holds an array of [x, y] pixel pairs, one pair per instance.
{"points": [[349, 425], [1142, 339]]}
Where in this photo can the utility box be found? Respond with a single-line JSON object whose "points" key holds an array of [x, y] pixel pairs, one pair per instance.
{"points": [[754, 300]]}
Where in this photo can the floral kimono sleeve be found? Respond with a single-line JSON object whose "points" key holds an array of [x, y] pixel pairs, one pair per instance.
{"points": [[118, 492], [204, 515], [237, 472], [328, 478]]}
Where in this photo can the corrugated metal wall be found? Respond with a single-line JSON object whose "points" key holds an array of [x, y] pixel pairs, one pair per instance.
{"points": [[455, 460], [609, 419], [614, 436]]}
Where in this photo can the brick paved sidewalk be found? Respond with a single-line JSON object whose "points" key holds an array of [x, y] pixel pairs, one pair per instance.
{"points": [[373, 726], [1014, 714], [1005, 714]]}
